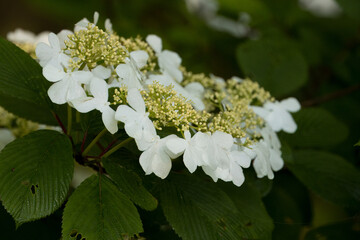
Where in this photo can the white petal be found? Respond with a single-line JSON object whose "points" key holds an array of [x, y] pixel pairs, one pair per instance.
{"points": [[260, 111], [134, 129], [171, 57], [96, 17], [146, 141], [161, 164], [237, 174], [275, 120], [82, 76], [99, 89], [140, 57], [197, 103], [6, 137], [241, 158], [108, 117], [290, 104], [54, 42], [154, 42], [44, 53], [123, 71], [125, 114], [85, 104], [146, 160], [108, 25], [63, 36], [210, 172], [176, 145], [75, 91], [58, 91], [192, 158], [135, 100], [195, 89], [222, 139], [53, 73], [289, 124], [102, 72], [276, 161]]}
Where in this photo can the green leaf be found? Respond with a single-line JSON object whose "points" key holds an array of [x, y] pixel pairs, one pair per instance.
{"points": [[256, 223], [328, 175], [98, 210], [275, 63], [129, 183], [23, 89], [289, 205], [357, 144], [316, 128], [351, 8], [35, 174], [200, 210], [348, 230]]}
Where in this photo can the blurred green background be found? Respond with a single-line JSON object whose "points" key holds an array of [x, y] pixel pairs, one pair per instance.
{"points": [[291, 51]]}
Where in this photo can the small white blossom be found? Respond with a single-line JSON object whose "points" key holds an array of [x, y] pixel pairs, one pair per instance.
{"points": [[192, 147], [67, 85], [23, 36], [136, 119], [169, 61], [49, 53], [277, 114], [129, 72], [99, 101], [83, 23], [268, 154], [157, 157]]}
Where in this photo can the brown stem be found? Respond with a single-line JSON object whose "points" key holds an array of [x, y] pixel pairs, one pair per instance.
{"points": [[330, 96]]}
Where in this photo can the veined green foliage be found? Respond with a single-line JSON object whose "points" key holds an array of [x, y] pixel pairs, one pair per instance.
{"points": [[35, 174]]}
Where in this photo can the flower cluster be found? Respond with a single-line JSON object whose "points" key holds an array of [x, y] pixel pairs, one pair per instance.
{"points": [[220, 126]]}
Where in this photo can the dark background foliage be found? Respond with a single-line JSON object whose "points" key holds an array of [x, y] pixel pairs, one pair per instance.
{"points": [[291, 53]]}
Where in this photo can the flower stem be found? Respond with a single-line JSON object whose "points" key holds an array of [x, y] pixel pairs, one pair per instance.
{"points": [[93, 142], [69, 111], [117, 147]]}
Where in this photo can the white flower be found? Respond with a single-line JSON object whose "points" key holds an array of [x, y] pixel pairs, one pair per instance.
{"points": [[277, 114], [83, 23], [129, 73], [157, 158], [136, 120], [23, 36], [99, 101], [67, 86], [192, 147], [230, 159], [46, 53], [268, 154], [6, 137], [169, 61]]}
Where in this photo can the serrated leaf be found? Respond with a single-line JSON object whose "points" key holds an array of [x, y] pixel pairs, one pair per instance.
{"points": [[328, 175], [129, 183], [23, 89], [255, 221], [98, 210], [288, 204], [276, 64], [316, 128], [35, 174], [182, 197]]}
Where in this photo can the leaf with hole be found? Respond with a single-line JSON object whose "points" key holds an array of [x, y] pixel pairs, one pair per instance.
{"points": [[97, 210], [35, 174]]}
